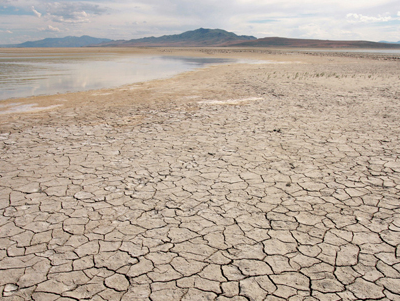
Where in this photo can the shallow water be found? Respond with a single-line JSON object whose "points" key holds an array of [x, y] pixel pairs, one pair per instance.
{"points": [[25, 76]]}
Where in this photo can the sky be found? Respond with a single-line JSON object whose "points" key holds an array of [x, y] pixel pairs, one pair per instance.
{"points": [[30, 20]]}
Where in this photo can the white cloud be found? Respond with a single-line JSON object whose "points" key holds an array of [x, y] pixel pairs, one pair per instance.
{"points": [[54, 29], [36, 12], [355, 18], [72, 12], [74, 17], [49, 28]]}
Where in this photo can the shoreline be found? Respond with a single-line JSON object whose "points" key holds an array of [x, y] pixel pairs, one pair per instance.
{"points": [[48, 102], [41, 102], [215, 82]]}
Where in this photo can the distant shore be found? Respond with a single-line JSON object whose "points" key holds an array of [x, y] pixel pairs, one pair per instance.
{"points": [[301, 60]]}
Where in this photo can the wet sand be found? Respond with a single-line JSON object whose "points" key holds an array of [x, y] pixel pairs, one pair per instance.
{"points": [[276, 181]]}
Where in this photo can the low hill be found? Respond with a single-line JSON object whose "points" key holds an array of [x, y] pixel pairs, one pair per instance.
{"points": [[199, 37], [309, 43], [63, 42]]}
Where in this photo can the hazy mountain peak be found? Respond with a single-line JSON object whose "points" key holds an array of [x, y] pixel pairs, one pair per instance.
{"points": [[197, 37], [68, 41]]}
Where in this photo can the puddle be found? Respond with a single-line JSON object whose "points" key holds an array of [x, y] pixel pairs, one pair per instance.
{"points": [[26, 76], [21, 108]]}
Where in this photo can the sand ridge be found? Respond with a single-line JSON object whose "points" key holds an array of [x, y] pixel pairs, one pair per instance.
{"points": [[234, 182]]}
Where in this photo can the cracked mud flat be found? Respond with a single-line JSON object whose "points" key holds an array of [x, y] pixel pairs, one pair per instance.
{"points": [[239, 182]]}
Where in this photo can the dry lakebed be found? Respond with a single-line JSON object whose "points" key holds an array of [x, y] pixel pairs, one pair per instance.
{"points": [[270, 181]]}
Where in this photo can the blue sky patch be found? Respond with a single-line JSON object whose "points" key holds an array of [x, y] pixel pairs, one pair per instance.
{"points": [[14, 11]]}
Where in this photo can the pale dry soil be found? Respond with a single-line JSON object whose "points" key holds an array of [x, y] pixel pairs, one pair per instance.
{"points": [[240, 182]]}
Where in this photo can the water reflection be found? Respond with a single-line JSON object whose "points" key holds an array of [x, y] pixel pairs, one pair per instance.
{"points": [[199, 61], [47, 75]]}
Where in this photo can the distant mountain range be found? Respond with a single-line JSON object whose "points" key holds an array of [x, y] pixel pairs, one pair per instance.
{"points": [[220, 38], [62, 42], [205, 38], [310, 43], [198, 37]]}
